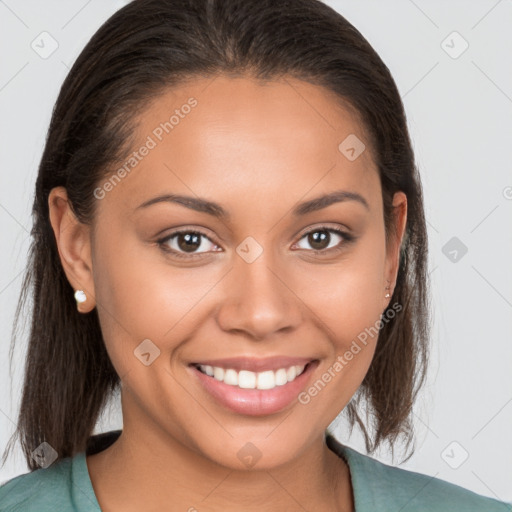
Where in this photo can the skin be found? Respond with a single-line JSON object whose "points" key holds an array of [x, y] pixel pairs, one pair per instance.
{"points": [[258, 149]]}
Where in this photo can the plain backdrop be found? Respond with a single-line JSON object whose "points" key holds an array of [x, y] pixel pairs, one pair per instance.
{"points": [[451, 61]]}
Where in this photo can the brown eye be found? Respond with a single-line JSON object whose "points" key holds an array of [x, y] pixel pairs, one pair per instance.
{"points": [[186, 243], [323, 239], [319, 239]]}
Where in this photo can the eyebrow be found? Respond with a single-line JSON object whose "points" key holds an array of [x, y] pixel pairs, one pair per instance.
{"points": [[216, 210]]}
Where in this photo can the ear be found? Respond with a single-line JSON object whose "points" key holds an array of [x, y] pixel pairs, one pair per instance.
{"points": [[74, 245], [395, 242]]}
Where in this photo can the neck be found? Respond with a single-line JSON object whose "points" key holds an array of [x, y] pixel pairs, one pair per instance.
{"points": [[161, 472]]}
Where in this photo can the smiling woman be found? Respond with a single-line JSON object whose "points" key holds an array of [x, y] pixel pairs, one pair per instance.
{"points": [[228, 190]]}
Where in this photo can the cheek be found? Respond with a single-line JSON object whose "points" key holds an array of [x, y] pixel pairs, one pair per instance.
{"points": [[348, 305], [347, 296], [141, 296], [348, 301]]}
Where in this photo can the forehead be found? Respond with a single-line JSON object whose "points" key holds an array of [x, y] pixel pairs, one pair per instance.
{"points": [[221, 135]]}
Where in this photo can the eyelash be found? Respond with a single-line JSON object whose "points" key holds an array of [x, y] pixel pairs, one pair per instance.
{"points": [[347, 237]]}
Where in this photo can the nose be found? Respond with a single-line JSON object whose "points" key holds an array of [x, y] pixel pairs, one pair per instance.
{"points": [[259, 299]]}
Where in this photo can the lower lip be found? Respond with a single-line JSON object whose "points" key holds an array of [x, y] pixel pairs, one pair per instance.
{"points": [[255, 402]]}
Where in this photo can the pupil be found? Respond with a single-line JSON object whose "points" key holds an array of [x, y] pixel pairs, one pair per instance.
{"points": [[191, 241], [318, 238]]}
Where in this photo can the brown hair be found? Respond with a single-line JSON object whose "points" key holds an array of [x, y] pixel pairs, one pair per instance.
{"points": [[143, 49]]}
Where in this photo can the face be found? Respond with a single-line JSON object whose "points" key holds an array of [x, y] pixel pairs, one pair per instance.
{"points": [[267, 289]]}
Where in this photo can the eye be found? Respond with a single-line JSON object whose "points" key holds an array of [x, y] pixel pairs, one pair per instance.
{"points": [[189, 243], [322, 241], [186, 243]]}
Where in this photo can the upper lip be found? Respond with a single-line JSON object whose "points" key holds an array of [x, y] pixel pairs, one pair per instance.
{"points": [[256, 364]]}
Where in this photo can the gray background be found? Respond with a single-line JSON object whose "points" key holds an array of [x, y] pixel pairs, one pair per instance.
{"points": [[459, 108]]}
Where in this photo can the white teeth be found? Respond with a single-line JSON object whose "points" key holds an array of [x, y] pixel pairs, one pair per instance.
{"points": [[266, 380], [250, 380], [281, 377], [231, 378], [246, 380], [218, 373]]}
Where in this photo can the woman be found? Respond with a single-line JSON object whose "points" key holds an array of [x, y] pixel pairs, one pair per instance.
{"points": [[229, 229]]}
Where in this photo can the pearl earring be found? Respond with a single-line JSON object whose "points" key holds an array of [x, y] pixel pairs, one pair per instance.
{"points": [[387, 288], [80, 296]]}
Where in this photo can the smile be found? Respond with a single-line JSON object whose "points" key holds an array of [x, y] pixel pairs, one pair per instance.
{"points": [[246, 379], [267, 388]]}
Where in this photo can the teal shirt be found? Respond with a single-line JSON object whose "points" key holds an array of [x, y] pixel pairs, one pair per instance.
{"points": [[65, 486]]}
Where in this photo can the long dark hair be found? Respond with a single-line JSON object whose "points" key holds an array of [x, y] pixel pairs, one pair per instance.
{"points": [[143, 49]]}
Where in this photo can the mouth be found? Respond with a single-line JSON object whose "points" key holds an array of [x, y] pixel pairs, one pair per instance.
{"points": [[270, 390], [246, 379]]}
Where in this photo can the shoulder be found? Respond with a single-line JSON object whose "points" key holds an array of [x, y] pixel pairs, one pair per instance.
{"points": [[379, 486], [65, 485], [38, 490], [416, 491], [46, 489]]}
